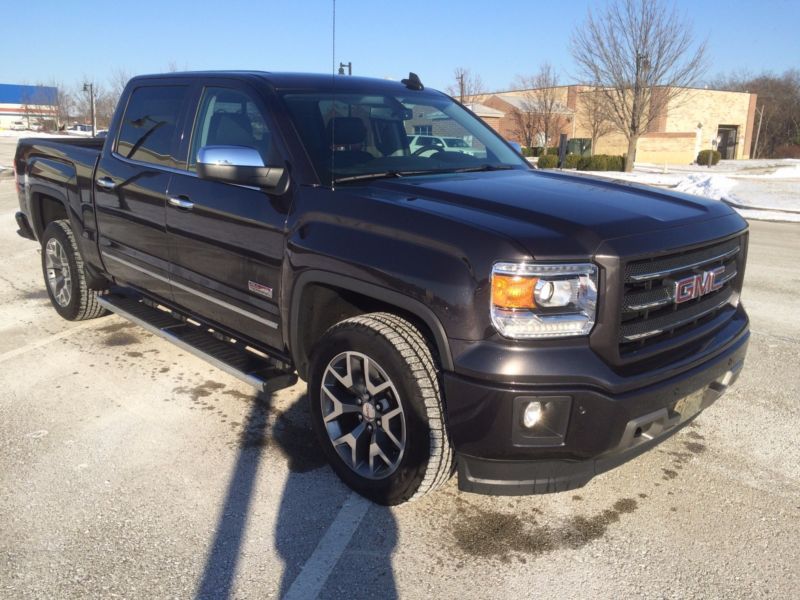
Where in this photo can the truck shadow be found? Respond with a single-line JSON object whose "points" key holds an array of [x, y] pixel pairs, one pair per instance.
{"points": [[309, 503]]}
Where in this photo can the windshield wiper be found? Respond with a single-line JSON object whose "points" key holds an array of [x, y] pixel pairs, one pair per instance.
{"points": [[395, 173], [368, 176], [485, 167]]}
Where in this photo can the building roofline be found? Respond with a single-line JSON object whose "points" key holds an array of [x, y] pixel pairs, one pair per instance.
{"points": [[703, 89]]}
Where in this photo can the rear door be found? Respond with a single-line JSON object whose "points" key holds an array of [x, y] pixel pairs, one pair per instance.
{"points": [[131, 186], [227, 241]]}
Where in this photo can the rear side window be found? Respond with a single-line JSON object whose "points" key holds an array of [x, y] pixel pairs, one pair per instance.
{"points": [[150, 125]]}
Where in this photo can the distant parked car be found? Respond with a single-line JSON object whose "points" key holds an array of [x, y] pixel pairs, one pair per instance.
{"points": [[18, 126], [418, 144], [80, 129]]}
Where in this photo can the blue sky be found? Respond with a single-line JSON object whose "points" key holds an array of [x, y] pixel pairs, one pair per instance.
{"points": [[66, 41]]}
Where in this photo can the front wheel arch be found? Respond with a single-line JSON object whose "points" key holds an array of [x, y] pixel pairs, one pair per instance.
{"points": [[375, 298]]}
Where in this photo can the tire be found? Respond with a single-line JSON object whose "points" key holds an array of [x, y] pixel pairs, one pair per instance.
{"points": [[415, 453], [64, 275]]}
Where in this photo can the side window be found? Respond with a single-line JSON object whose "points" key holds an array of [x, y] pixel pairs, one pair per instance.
{"points": [[229, 117], [148, 131]]}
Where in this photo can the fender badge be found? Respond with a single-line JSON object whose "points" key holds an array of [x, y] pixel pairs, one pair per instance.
{"points": [[259, 289]]}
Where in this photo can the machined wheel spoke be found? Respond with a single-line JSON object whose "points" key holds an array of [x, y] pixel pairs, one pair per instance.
{"points": [[339, 408], [376, 450], [374, 390], [392, 437], [351, 439]]}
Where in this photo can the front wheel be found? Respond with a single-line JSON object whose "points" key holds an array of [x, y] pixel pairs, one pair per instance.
{"points": [[64, 274], [377, 408]]}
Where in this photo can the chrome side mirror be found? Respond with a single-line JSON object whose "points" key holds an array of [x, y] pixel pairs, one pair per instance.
{"points": [[240, 165]]}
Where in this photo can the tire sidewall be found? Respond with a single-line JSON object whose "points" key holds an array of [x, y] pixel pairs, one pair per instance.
{"points": [[69, 312], [404, 481]]}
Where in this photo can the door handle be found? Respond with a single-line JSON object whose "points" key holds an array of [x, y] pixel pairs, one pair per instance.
{"points": [[181, 203], [106, 183]]}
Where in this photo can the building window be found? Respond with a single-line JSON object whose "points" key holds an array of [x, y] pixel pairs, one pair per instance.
{"points": [[423, 129]]}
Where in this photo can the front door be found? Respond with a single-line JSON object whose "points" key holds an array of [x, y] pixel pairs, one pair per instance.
{"points": [[131, 186], [227, 241], [727, 135]]}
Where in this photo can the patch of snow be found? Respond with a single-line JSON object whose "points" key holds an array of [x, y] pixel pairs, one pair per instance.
{"points": [[765, 189], [717, 187], [9, 133]]}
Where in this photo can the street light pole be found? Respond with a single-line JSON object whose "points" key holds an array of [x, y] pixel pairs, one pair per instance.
{"points": [[89, 87]]}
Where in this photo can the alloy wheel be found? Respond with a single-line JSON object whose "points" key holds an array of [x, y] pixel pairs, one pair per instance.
{"points": [[59, 276], [363, 415]]}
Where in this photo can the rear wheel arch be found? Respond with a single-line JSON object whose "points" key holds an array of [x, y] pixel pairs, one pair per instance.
{"points": [[321, 299], [46, 208]]}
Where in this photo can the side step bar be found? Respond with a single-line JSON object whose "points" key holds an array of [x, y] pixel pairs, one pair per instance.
{"points": [[251, 366]]}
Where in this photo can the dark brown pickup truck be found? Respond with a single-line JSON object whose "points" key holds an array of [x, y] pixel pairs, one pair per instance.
{"points": [[449, 309]]}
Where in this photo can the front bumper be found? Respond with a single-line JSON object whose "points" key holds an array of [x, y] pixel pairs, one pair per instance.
{"points": [[604, 429]]}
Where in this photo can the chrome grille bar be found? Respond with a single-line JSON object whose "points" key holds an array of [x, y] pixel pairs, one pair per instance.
{"points": [[660, 273], [639, 330]]}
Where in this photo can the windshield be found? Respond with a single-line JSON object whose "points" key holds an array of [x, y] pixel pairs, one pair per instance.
{"points": [[358, 136]]}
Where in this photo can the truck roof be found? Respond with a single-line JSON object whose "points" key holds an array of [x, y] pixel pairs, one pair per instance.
{"points": [[296, 81]]}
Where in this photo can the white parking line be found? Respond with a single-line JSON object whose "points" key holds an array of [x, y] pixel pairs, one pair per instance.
{"points": [[318, 567], [43, 342]]}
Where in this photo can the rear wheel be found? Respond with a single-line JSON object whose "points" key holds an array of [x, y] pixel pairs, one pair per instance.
{"points": [[377, 408], [64, 274]]}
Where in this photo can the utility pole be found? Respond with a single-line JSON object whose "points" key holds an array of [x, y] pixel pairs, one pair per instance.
{"points": [[758, 132], [460, 78], [89, 87]]}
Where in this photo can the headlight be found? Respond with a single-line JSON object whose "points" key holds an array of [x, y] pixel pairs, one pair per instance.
{"points": [[540, 300]]}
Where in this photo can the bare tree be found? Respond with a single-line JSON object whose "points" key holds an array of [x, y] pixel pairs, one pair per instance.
{"points": [[27, 108], [105, 103], [525, 124], [118, 80], [63, 103], [595, 115], [778, 110], [467, 85], [631, 50], [539, 114]]}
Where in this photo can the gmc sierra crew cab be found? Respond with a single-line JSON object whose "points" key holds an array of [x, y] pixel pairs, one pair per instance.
{"points": [[450, 311]]}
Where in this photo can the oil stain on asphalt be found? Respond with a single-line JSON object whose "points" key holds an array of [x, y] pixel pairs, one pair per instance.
{"points": [[288, 432], [121, 339], [503, 536]]}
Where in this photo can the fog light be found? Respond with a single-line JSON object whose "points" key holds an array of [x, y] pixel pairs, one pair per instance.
{"points": [[532, 414]]}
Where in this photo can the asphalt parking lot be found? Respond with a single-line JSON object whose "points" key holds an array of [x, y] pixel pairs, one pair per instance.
{"points": [[131, 469]]}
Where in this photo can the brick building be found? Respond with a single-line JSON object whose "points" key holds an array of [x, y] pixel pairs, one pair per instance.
{"points": [[696, 119]]}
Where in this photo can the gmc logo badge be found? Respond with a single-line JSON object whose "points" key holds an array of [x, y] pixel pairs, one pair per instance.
{"points": [[698, 285]]}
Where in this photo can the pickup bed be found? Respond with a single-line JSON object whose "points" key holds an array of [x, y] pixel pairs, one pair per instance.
{"points": [[450, 311]]}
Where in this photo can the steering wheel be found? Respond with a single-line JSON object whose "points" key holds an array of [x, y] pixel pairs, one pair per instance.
{"points": [[433, 149]]}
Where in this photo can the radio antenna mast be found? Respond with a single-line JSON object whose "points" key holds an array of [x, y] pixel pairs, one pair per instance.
{"points": [[333, 94]]}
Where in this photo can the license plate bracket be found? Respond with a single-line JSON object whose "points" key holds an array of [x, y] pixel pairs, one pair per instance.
{"points": [[690, 405]]}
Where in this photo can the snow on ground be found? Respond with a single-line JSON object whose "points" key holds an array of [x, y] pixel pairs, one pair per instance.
{"points": [[11, 133], [764, 189]]}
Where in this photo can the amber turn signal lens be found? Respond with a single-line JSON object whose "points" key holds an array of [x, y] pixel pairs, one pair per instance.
{"points": [[513, 291]]}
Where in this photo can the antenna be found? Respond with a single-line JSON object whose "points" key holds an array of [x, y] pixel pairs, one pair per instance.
{"points": [[333, 94]]}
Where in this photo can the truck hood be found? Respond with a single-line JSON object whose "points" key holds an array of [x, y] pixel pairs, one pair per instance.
{"points": [[556, 214]]}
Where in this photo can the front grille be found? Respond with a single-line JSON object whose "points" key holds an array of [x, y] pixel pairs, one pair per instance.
{"points": [[649, 313]]}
